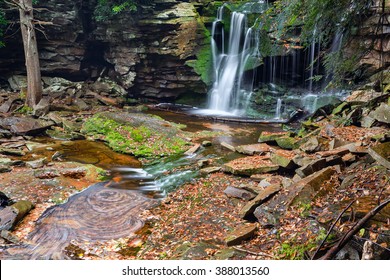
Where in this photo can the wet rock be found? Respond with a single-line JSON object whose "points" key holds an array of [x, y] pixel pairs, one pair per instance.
{"points": [[192, 150], [228, 146], [206, 143], [247, 211], [240, 234], [36, 163], [249, 166], [283, 158], [381, 153], [238, 193], [310, 168], [381, 113], [305, 189], [253, 149], [209, 170], [267, 136], [25, 125]]}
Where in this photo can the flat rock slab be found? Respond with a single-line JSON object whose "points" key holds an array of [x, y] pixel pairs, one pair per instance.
{"points": [[192, 150], [240, 234], [381, 153], [248, 209], [381, 114], [239, 193], [250, 165], [312, 167], [267, 136], [209, 170], [305, 189], [252, 149], [228, 146], [25, 126], [283, 158]]}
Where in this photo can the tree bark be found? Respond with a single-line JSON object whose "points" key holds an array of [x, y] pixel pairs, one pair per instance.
{"points": [[34, 83]]}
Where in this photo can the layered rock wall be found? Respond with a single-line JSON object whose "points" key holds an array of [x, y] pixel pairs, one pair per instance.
{"points": [[147, 52]]}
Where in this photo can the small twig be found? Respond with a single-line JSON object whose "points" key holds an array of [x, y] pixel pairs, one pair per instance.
{"points": [[348, 236], [260, 254], [331, 228]]}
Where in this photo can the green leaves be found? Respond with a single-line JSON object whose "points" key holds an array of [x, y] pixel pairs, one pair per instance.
{"points": [[105, 9]]}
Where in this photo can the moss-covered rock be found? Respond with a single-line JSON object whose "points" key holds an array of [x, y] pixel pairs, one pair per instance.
{"points": [[137, 134]]}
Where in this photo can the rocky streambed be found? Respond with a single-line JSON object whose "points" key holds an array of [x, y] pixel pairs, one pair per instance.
{"points": [[252, 191]]}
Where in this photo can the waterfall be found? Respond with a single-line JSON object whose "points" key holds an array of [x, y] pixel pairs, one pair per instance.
{"points": [[230, 93], [278, 111], [311, 60]]}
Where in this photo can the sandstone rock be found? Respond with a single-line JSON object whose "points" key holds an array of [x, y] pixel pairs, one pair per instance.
{"points": [[248, 209], [283, 158], [265, 216], [249, 166], [11, 215], [312, 167], [209, 170], [192, 150], [25, 125], [305, 189], [17, 82], [288, 143], [238, 193], [349, 158], [381, 153], [240, 234], [301, 160], [381, 113], [36, 163], [266, 136], [7, 105], [253, 149], [12, 152], [311, 145], [340, 151], [228, 146], [42, 108]]}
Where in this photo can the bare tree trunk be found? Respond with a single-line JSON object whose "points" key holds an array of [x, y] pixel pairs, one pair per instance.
{"points": [[34, 83]]}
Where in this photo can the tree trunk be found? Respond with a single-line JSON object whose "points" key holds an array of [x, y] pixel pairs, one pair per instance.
{"points": [[34, 83]]}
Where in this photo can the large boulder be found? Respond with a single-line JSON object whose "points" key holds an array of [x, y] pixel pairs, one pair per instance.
{"points": [[25, 125]]}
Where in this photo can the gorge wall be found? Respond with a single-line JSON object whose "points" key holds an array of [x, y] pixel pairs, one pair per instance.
{"points": [[160, 51], [148, 52]]}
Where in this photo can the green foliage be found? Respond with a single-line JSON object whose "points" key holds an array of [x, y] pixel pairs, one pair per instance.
{"points": [[105, 9], [3, 23]]}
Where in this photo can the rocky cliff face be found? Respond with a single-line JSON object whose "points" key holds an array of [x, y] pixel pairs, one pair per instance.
{"points": [[147, 52]]}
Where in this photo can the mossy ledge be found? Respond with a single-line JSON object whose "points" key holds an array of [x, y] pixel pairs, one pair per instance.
{"points": [[140, 135]]}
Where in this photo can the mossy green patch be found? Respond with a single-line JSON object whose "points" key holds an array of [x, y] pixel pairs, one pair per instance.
{"points": [[136, 138]]}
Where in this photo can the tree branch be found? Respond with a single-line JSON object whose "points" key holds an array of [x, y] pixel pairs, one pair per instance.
{"points": [[331, 228], [348, 235]]}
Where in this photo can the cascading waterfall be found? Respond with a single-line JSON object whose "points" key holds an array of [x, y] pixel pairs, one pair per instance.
{"points": [[230, 92], [278, 111]]}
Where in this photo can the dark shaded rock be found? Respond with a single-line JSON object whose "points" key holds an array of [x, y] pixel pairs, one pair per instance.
{"points": [[312, 167], [240, 234], [24, 125], [247, 211], [238, 193], [347, 253], [4, 169], [4, 200], [249, 166], [381, 153]]}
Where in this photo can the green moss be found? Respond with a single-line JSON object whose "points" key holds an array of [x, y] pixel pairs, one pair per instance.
{"points": [[140, 140], [25, 110]]}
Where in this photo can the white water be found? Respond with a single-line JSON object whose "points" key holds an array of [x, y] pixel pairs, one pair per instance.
{"points": [[278, 111], [230, 94]]}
